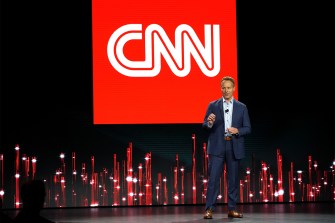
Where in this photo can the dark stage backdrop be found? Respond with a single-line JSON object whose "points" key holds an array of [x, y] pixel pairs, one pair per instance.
{"points": [[286, 78]]}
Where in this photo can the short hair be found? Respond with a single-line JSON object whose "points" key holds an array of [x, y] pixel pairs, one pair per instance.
{"points": [[228, 78], [33, 194]]}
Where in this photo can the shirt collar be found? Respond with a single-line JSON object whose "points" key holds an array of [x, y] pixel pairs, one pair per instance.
{"points": [[230, 102]]}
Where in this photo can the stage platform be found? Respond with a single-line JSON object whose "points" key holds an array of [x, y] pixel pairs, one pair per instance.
{"points": [[318, 212]]}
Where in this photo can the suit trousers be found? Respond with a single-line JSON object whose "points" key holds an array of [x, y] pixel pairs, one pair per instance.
{"points": [[215, 169]]}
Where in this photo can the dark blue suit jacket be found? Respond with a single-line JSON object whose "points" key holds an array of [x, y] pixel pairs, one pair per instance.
{"points": [[240, 120]]}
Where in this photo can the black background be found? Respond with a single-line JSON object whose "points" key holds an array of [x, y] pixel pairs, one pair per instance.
{"points": [[285, 71]]}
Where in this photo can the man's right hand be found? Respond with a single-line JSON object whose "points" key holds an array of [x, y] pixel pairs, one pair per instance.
{"points": [[211, 119]]}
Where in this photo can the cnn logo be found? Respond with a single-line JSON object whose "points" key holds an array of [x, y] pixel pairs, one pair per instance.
{"points": [[157, 44]]}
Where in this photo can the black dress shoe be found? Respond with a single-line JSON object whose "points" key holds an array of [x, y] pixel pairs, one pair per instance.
{"points": [[208, 214], [234, 214]]}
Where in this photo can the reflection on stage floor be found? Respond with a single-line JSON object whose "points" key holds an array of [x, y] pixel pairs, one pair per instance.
{"points": [[318, 212]]}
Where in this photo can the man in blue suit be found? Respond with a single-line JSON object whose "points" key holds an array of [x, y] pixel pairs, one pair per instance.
{"points": [[227, 121]]}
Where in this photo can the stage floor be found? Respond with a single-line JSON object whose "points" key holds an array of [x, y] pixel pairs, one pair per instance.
{"points": [[283, 212]]}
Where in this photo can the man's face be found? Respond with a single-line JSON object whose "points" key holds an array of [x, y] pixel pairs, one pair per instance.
{"points": [[227, 89]]}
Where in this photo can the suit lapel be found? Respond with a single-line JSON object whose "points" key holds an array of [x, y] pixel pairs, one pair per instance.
{"points": [[220, 104], [235, 112]]}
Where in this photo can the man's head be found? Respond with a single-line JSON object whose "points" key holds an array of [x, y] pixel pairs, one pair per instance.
{"points": [[227, 87], [33, 194]]}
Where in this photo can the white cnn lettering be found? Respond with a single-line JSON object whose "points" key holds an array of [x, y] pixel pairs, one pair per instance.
{"points": [[178, 57]]}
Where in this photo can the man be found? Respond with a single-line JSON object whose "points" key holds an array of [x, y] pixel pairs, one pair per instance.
{"points": [[33, 195], [227, 121]]}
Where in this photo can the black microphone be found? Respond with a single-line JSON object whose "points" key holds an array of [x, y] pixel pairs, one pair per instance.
{"points": [[227, 110]]}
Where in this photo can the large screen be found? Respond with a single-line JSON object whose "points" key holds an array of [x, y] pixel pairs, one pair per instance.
{"points": [[160, 62]]}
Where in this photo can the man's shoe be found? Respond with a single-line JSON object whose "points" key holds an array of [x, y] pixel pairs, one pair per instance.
{"points": [[234, 214], [208, 214]]}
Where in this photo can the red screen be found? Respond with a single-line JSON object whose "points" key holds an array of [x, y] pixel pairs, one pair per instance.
{"points": [[160, 62]]}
